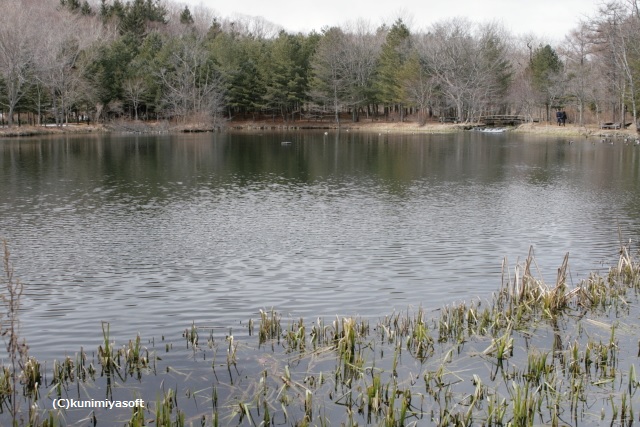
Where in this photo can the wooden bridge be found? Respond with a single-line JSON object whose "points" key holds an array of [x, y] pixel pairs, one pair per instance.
{"points": [[612, 125], [503, 120], [495, 120]]}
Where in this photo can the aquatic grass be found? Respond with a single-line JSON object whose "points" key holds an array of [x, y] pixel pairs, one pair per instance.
{"points": [[166, 405], [51, 419], [537, 366], [83, 371], [308, 405], [191, 336], [524, 404], [632, 380], [31, 378], [452, 321], [374, 395], [594, 292], [63, 373], [567, 351], [107, 353], [245, 411], [6, 386], [17, 349], [231, 350], [420, 342], [345, 333], [137, 417], [496, 410], [296, 337], [136, 357], [501, 347], [627, 271], [270, 327]]}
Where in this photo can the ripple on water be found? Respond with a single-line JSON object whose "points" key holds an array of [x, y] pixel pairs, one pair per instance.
{"points": [[150, 254]]}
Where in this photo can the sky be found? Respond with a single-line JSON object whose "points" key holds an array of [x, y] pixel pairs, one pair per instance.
{"points": [[550, 20]]}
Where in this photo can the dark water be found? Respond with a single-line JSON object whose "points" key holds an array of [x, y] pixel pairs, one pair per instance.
{"points": [[152, 233]]}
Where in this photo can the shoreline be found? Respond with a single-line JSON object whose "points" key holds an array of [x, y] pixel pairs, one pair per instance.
{"points": [[543, 129], [30, 130]]}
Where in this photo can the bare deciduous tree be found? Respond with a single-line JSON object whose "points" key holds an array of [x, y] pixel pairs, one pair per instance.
{"points": [[59, 64], [330, 82], [192, 85], [419, 87], [471, 69], [362, 49], [579, 69], [616, 37], [134, 89], [16, 52]]}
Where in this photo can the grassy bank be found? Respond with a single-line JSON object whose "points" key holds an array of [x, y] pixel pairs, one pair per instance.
{"points": [[545, 129], [569, 131], [534, 354], [21, 131]]}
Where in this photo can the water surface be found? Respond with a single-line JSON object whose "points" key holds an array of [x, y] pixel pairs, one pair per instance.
{"points": [[151, 233]]}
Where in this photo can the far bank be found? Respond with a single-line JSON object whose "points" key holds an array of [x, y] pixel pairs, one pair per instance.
{"points": [[141, 127]]}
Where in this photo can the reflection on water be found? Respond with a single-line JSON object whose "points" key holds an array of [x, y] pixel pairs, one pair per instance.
{"points": [[150, 233]]}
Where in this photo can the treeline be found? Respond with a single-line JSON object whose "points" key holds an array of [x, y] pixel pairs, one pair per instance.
{"points": [[65, 60]]}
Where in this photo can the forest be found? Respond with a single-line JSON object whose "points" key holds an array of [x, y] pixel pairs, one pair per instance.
{"points": [[64, 61]]}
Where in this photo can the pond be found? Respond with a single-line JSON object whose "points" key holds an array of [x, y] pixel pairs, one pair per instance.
{"points": [[152, 233]]}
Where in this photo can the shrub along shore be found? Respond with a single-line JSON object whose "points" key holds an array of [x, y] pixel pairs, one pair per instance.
{"points": [[534, 354]]}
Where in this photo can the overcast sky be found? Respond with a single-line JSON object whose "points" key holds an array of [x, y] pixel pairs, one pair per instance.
{"points": [[548, 19]]}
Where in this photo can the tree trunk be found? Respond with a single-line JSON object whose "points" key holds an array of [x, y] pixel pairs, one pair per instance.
{"points": [[335, 105], [10, 116]]}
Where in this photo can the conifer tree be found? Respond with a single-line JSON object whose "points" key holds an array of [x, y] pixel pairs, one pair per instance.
{"points": [[394, 54], [330, 74], [546, 68], [185, 16]]}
